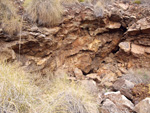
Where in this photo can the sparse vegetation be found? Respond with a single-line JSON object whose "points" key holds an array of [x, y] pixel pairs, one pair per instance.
{"points": [[137, 2], [45, 12], [9, 20], [19, 94], [138, 76]]}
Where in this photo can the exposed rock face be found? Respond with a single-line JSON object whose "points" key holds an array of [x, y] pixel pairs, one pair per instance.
{"points": [[105, 45], [93, 49]]}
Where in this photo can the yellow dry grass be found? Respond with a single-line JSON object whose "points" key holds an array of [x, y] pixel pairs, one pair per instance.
{"points": [[45, 12], [9, 19], [19, 94]]}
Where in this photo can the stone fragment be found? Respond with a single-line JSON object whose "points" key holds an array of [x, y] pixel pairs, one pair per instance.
{"points": [[147, 50], [94, 45], [143, 106], [98, 31], [108, 79], [34, 34], [120, 102], [109, 107], [123, 70], [91, 86], [34, 29], [123, 6], [125, 46], [78, 73], [113, 25], [94, 76], [41, 36], [51, 31], [137, 49], [124, 86]]}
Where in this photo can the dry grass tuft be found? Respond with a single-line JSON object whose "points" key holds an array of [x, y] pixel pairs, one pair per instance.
{"points": [[19, 94], [45, 12], [138, 76], [16, 91], [9, 19], [69, 97]]}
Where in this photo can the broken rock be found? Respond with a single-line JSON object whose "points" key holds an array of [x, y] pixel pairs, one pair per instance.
{"points": [[120, 102], [143, 106]]}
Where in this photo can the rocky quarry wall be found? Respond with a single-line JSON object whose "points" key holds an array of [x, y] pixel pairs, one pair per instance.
{"points": [[85, 41], [87, 45]]}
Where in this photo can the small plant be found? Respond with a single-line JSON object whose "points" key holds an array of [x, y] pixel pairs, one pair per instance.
{"points": [[138, 76], [137, 2], [16, 91]]}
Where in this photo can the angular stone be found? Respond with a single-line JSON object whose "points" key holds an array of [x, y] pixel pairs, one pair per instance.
{"points": [[147, 50], [98, 31], [137, 49], [94, 76], [125, 46], [121, 102], [109, 107], [78, 73], [122, 84], [143, 106], [108, 79], [52, 31], [113, 25], [91, 86], [124, 6], [94, 45], [34, 29]]}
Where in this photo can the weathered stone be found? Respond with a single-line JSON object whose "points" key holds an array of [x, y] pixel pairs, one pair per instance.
{"points": [[98, 31], [91, 86], [123, 70], [41, 36], [120, 101], [137, 49], [113, 25], [94, 46], [145, 25], [34, 29], [7, 54], [82, 61], [51, 30], [34, 34], [109, 107], [78, 73], [94, 76], [125, 46], [124, 86], [143, 106], [123, 6], [147, 50], [108, 79]]}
